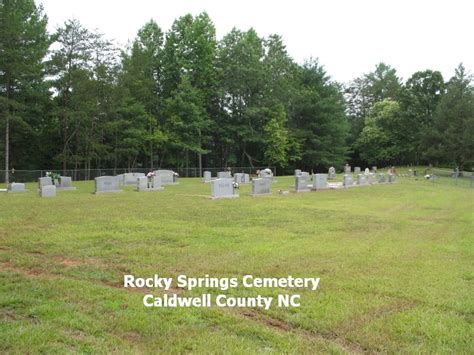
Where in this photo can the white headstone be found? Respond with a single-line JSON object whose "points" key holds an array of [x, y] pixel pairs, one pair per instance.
{"points": [[260, 187], [131, 178], [371, 178], [332, 173], [48, 191], [361, 179], [104, 184], [320, 181], [65, 183], [207, 176], [223, 188], [301, 183], [168, 177], [224, 175], [347, 181], [16, 187], [142, 183], [357, 170], [242, 178], [44, 181]]}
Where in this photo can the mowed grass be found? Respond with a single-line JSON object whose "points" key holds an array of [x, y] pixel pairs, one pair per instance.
{"points": [[395, 262]]}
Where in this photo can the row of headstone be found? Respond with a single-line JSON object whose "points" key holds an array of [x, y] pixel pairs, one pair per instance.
{"points": [[63, 183], [225, 188], [152, 183], [370, 179], [168, 177], [242, 178]]}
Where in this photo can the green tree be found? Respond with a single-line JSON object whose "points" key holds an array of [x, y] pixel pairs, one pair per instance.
{"points": [[189, 57], [23, 45], [378, 142], [419, 101], [318, 119], [453, 132], [141, 78], [277, 137]]}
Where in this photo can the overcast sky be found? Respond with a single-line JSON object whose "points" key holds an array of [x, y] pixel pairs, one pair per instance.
{"points": [[348, 36]]}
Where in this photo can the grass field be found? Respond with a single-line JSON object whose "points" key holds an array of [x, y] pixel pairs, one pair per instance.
{"points": [[395, 262]]}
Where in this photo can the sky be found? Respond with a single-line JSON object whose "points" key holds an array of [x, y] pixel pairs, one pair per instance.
{"points": [[349, 37]]}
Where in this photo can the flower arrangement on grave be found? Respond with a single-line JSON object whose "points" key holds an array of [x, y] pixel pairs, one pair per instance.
{"points": [[236, 185], [150, 176], [54, 176]]}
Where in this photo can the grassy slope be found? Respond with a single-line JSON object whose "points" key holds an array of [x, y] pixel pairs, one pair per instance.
{"points": [[395, 263]]}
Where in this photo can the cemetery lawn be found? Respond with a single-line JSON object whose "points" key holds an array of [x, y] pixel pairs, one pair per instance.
{"points": [[395, 262]]}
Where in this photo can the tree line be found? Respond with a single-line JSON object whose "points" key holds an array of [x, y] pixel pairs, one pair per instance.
{"points": [[74, 100]]}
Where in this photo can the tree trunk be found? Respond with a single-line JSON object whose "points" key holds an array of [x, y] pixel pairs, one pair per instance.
{"points": [[200, 156], [7, 148]]}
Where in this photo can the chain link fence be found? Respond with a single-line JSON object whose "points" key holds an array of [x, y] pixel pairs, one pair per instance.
{"points": [[86, 174], [451, 177]]}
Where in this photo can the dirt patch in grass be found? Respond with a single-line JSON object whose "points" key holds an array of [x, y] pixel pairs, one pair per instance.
{"points": [[280, 325]]}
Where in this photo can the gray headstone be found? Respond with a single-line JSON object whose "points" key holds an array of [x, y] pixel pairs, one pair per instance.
{"points": [[357, 170], [65, 183], [16, 187], [301, 183], [332, 173], [347, 169], [48, 191], [260, 187], [152, 183], [168, 177], [224, 175], [142, 183], [207, 176], [371, 178], [361, 179], [347, 181], [131, 178], [223, 188], [391, 178], [297, 172], [104, 184], [155, 183], [320, 181], [44, 181], [238, 177], [381, 178], [374, 169]]}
